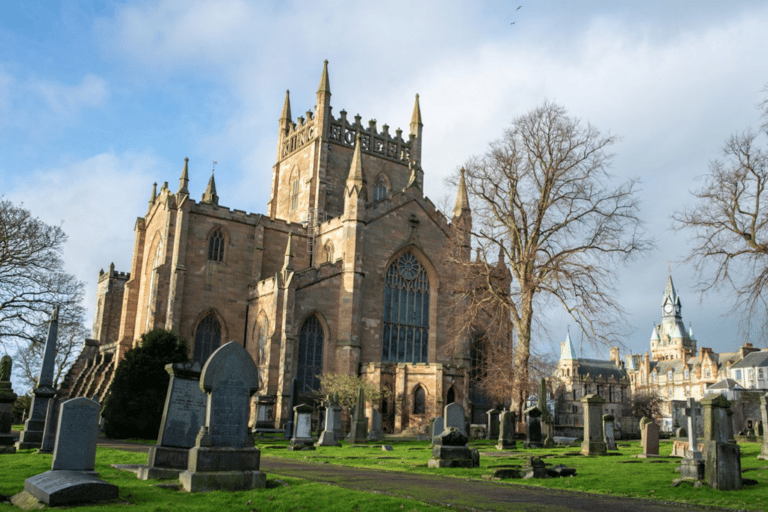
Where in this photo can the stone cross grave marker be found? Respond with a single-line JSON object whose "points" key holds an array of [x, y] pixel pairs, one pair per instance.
{"points": [[224, 457], [454, 417], [593, 443], [692, 466]]}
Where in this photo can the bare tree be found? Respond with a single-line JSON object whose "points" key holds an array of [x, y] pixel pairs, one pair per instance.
{"points": [[32, 279], [729, 223], [542, 200], [645, 402]]}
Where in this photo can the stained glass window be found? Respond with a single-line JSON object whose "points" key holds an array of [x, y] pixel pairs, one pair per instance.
{"points": [[216, 245], [207, 337], [310, 354], [406, 312]]}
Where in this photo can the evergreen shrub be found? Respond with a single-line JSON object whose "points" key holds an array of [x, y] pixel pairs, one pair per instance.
{"points": [[134, 407]]}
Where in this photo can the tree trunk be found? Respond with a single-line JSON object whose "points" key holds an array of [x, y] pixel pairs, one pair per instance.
{"points": [[522, 355]]}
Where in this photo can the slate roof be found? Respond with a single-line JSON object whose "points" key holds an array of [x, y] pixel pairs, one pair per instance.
{"points": [[597, 368], [752, 360], [725, 384]]}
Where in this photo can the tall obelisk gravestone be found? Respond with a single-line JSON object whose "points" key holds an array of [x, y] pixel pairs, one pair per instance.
{"points": [[32, 435]]}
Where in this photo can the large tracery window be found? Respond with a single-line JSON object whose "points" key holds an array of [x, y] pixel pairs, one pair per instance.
{"points": [[216, 245], [310, 354], [207, 337], [406, 312], [380, 188]]}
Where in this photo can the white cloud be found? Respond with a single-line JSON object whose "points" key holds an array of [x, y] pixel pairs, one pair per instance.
{"points": [[69, 99]]}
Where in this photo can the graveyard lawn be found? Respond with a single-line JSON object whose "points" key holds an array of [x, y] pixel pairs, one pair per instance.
{"points": [[146, 496], [615, 474]]}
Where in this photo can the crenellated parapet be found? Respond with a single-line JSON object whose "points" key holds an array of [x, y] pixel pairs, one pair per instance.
{"points": [[381, 144], [299, 134]]}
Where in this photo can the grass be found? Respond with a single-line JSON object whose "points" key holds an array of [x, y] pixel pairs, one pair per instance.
{"points": [[281, 494], [618, 474]]}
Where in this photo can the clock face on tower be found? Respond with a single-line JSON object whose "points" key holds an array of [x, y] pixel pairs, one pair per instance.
{"points": [[668, 308]]}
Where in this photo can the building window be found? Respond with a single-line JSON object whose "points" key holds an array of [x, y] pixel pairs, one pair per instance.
{"points": [[760, 374], [380, 188], [670, 377], [310, 354], [207, 337], [655, 377], [419, 401], [750, 374], [708, 373], [216, 245], [451, 396], [688, 391], [262, 341], [687, 374], [738, 374], [406, 312], [671, 391], [294, 194]]}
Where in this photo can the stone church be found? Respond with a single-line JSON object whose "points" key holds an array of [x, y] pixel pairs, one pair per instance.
{"points": [[339, 275]]}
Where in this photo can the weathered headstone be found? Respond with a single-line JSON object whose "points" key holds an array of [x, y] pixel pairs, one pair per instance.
{"points": [[438, 426], [183, 415], [32, 435], [265, 412], [51, 426], [293, 403], [359, 421], [453, 414], [224, 457], [376, 434], [649, 439], [608, 435], [722, 459], [533, 428], [332, 419], [72, 478], [302, 429], [492, 432], [764, 412], [534, 467], [507, 431], [7, 398], [450, 450], [692, 466], [593, 443]]}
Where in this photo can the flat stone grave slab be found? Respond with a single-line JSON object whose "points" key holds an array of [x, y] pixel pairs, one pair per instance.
{"points": [[61, 487]]}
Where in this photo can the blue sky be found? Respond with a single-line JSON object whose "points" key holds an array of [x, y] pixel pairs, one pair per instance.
{"points": [[98, 100]]}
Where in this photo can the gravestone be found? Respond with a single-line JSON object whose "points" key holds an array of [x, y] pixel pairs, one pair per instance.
{"points": [[7, 398], [608, 435], [450, 450], [183, 415], [593, 443], [376, 434], [764, 412], [533, 428], [507, 431], [265, 412], [32, 435], [223, 457], [293, 403], [332, 419], [534, 467], [493, 424], [72, 478], [359, 421], [649, 439], [302, 428], [722, 459], [453, 414], [438, 426], [692, 466], [51, 426]]}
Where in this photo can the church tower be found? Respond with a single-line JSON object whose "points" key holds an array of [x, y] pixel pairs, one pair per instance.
{"points": [[669, 339]]}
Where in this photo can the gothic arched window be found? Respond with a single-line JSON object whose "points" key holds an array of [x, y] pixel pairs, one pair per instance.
{"points": [[419, 401], [406, 311], [294, 193], [310, 354], [451, 396], [216, 245], [380, 188], [262, 340], [207, 337]]}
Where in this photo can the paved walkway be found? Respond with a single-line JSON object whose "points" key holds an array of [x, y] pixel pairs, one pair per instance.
{"points": [[456, 492]]}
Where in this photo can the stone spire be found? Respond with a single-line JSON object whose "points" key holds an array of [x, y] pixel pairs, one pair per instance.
{"points": [[356, 176], [670, 293], [566, 348], [210, 192], [462, 200], [286, 115], [416, 117], [325, 85], [184, 180], [288, 263], [154, 195]]}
